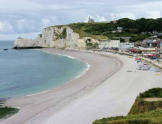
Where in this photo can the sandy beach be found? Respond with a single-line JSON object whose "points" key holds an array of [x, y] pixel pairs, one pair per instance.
{"points": [[108, 88]]}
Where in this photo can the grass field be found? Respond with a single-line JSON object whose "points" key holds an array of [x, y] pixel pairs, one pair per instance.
{"points": [[142, 111]]}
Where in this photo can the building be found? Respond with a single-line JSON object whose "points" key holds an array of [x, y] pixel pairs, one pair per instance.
{"points": [[114, 21], [108, 44], [151, 43], [125, 46], [161, 50], [90, 20], [126, 39], [103, 44], [159, 34], [119, 29], [155, 32], [148, 50]]}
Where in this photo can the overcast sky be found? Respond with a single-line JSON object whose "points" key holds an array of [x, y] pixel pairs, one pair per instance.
{"points": [[26, 18]]}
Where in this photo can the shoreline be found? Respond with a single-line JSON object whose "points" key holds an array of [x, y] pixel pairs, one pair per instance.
{"points": [[81, 73], [88, 66], [114, 97], [112, 92], [47, 90], [77, 87]]}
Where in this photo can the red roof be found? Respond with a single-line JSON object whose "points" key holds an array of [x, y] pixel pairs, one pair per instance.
{"points": [[151, 55]]}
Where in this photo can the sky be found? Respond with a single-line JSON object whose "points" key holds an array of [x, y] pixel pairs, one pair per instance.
{"points": [[26, 18]]}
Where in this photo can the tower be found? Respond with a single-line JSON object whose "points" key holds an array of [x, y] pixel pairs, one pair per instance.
{"points": [[90, 20]]}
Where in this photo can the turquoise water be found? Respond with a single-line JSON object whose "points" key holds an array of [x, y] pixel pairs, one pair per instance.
{"points": [[25, 72]]}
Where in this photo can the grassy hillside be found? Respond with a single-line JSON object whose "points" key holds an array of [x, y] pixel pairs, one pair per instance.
{"points": [[147, 109], [90, 30], [137, 30], [153, 117], [141, 105]]}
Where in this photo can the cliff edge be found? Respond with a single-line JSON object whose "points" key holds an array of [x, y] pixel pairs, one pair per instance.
{"points": [[55, 37]]}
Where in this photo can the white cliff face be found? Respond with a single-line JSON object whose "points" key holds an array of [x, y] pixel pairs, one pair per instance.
{"points": [[58, 37], [26, 43], [72, 41]]}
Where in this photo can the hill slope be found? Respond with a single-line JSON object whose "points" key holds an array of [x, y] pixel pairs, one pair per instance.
{"points": [[147, 109]]}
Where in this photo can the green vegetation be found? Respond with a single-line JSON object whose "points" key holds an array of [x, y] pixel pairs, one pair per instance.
{"points": [[140, 25], [138, 29], [92, 45], [142, 112], [63, 34], [7, 111], [83, 29], [139, 37], [155, 92], [141, 106], [153, 117]]}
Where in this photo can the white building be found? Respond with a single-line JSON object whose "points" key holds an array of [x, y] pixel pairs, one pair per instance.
{"points": [[119, 29], [127, 45], [161, 49], [107, 44]]}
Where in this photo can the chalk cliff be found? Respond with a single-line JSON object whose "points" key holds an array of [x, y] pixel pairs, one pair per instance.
{"points": [[55, 36]]}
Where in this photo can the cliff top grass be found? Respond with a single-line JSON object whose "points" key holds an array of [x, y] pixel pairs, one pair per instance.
{"points": [[142, 105], [137, 30], [83, 29], [153, 117], [155, 92], [142, 111], [104, 30]]}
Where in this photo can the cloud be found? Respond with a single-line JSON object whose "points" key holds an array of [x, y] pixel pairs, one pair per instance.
{"points": [[16, 35], [5, 27], [30, 16]]}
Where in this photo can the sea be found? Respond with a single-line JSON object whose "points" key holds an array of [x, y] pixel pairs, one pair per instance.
{"points": [[26, 72]]}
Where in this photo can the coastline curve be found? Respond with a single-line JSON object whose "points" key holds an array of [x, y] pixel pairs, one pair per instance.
{"points": [[35, 109]]}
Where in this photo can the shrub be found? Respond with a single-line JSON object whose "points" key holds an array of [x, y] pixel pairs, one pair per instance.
{"points": [[7, 111], [155, 92]]}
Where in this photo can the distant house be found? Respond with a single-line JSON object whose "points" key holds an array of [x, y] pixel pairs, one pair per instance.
{"points": [[113, 31], [103, 44], [151, 43], [108, 44], [159, 34], [114, 21], [90, 20], [125, 46], [161, 49], [148, 50], [126, 39], [155, 32], [119, 29]]}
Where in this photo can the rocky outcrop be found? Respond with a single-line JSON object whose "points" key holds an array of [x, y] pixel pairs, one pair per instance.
{"points": [[55, 36], [26, 43]]}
